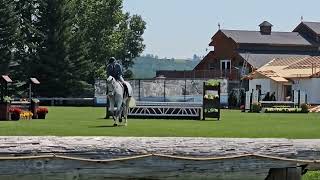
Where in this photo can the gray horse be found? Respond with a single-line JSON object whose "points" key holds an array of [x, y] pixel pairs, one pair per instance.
{"points": [[119, 101]]}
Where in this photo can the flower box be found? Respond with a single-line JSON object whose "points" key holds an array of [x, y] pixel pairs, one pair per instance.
{"points": [[15, 113], [42, 112]]}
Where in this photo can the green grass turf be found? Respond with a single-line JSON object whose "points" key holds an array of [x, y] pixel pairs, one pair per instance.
{"points": [[312, 175], [88, 121]]}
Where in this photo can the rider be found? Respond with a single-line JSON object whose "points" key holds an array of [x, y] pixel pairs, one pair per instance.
{"points": [[114, 69]]}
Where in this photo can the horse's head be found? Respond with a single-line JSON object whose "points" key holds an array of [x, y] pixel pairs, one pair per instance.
{"points": [[110, 85]]}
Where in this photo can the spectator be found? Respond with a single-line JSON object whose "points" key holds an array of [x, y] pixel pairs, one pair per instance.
{"points": [[267, 97], [273, 97]]}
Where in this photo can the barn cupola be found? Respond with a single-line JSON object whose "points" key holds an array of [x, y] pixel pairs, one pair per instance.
{"points": [[265, 28]]}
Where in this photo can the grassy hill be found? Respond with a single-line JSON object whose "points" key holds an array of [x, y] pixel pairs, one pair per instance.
{"points": [[146, 67]]}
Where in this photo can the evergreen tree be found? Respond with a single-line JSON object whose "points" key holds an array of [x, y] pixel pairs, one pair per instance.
{"points": [[65, 43], [8, 35], [29, 13], [51, 68]]}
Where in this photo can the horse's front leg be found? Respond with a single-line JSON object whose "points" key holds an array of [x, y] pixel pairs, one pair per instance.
{"points": [[119, 101], [119, 112]]}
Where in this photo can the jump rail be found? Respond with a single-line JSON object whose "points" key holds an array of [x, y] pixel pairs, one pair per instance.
{"points": [[167, 110]]}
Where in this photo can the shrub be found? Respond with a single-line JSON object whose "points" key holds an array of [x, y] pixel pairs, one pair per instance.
{"points": [[304, 108], [213, 82], [256, 107]]}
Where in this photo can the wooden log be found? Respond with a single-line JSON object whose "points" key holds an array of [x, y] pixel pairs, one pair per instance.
{"points": [[173, 158], [151, 167]]}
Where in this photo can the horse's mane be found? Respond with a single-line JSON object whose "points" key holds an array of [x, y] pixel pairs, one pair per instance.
{"points": [[110, 78]]}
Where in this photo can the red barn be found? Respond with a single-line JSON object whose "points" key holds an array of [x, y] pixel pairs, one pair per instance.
{"points": [[238, 52]]}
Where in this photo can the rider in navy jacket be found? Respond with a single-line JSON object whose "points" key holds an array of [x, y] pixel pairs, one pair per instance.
{"points": [[114, 69]]}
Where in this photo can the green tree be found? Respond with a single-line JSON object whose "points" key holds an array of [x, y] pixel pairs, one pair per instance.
{"points": [[64, 43], [130, 42], [8, 35], [51, 68]]}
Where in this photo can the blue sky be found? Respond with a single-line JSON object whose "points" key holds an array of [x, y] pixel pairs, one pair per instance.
{"points": [[181, 28]]}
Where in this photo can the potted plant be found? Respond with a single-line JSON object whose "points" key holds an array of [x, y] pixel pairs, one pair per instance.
{"points": [[213, 82], [15, 113], [41, 112]]}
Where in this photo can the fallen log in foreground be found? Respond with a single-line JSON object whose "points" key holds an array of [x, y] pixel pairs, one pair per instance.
{"points": [[155, 158]]}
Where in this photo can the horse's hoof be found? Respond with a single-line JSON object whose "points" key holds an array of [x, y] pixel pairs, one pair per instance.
{"points": [[120, 120], [125, 124], [115, 124]]}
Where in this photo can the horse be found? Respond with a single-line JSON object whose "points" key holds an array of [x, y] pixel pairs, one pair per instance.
{"points": [[117, 96]]}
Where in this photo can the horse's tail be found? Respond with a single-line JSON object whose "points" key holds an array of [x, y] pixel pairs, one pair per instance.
{"points": [[131, 102]]}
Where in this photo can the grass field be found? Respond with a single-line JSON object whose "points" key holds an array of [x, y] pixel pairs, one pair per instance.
{"points": [[87, 121], [84, 121]]}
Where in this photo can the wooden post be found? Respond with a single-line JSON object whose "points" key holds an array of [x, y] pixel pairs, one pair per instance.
{"points": [[30, 90], [139, 89], [251, 100], [2, 93], [299, 98], [306, 98], [164, 90], [185, 89]]}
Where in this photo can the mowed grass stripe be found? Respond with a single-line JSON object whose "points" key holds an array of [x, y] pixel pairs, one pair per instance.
{"points": [[88, 121]]}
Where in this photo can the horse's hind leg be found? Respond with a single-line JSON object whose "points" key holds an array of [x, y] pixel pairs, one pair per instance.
{"points": [[114, 120], [126, 111]]}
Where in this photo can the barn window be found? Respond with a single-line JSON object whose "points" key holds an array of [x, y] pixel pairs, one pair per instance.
{"points": [[211, 66], [225, 64]]}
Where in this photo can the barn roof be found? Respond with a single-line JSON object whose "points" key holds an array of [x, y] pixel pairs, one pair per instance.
{"points": [[292, 67], [314, 26], [257, 60], [275, 38]]}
